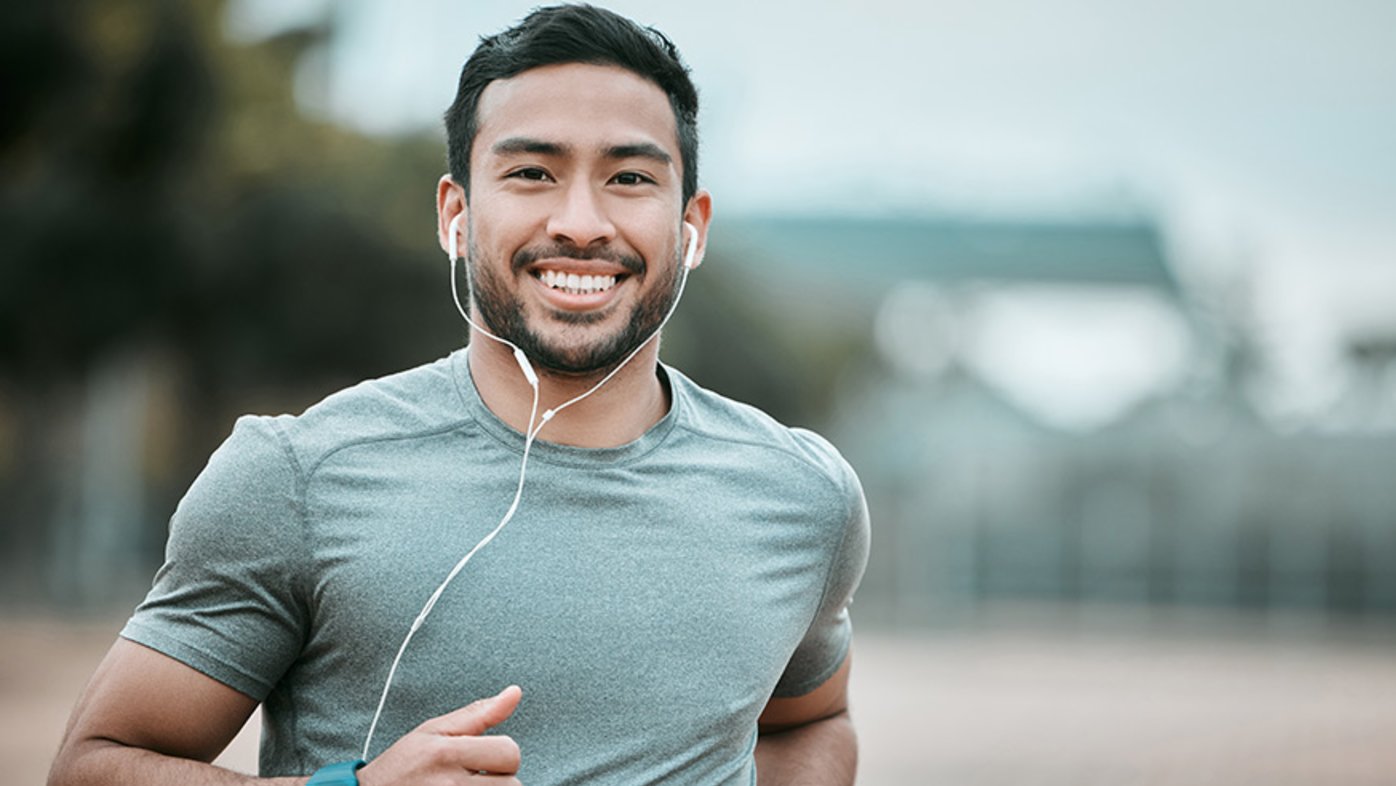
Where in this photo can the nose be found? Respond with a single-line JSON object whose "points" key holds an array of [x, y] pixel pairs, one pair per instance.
{"points": [[580, 217]]}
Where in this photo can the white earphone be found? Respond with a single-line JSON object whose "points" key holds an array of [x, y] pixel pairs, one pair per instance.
{"points": [[689, 262]]}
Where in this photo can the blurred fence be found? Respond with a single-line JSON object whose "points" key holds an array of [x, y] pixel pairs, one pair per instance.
{"points": [[1255, 520]]}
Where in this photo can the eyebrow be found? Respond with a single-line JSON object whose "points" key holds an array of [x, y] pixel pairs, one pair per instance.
{"points": [[522, 144], [639, 150]]}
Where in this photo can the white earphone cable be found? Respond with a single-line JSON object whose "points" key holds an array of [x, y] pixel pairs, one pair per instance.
{"points": [[436, 595]]}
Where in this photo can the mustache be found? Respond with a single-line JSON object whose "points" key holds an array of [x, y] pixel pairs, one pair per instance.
{"points": [[527, 256]]}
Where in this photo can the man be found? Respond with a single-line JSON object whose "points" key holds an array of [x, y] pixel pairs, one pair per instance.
{"points": [[667, 606]]}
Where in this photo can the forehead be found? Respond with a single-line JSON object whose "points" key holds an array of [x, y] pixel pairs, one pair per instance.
{"points": [[579, 104]]}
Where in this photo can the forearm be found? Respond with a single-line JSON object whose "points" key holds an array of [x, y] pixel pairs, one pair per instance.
{"points": [[822, 753], [107, 763]]}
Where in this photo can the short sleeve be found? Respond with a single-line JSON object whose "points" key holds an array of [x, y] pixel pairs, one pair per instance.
{"points": [[227, 600], [825, 645]]}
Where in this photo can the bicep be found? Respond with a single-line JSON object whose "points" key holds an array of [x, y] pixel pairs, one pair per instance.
{"points": [[144, 699], [827, 700]]}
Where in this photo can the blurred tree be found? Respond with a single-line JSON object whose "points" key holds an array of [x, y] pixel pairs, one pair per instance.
{"points": [[162, 184], [161, 196]]}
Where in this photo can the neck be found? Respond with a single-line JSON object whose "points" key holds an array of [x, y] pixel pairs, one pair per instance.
{"points": [[621, 411]]}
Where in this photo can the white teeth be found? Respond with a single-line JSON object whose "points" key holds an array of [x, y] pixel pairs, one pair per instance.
{"points": [[575, 284]]}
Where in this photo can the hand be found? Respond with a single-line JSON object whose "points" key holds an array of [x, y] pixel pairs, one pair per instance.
{"points": [[449, 750]]}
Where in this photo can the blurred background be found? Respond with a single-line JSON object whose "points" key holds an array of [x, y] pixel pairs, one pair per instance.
{"points": [[1099, 298]]}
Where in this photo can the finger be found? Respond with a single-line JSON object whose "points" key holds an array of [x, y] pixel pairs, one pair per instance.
{"points": [[477, 717], [494, 755]]}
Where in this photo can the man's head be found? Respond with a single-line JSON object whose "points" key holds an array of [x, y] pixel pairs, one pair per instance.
{"points": [[573, 34], [573, 185]]}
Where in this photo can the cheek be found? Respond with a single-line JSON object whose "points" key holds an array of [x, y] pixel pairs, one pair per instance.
{"points": [[651, 229], [505, 216], [492, 242]]}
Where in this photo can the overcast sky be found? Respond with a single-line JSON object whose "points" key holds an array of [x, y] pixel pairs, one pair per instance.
{"points": [[1258, 133]]}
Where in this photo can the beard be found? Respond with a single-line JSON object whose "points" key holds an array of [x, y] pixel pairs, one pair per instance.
{"points": [[502, 312]]}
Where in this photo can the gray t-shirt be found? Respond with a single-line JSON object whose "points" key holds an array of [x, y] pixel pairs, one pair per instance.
{"points": [[648, 598]]}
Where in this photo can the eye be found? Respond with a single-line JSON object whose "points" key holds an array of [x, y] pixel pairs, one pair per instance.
{"points": [[530, 173], [631, 179]]}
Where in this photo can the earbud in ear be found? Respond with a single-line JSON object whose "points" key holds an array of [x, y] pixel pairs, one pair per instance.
{"points": [[454, 232], [688, 260]]}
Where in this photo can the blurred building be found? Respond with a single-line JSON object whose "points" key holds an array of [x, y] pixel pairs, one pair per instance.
{"points": [[1051, 413]]}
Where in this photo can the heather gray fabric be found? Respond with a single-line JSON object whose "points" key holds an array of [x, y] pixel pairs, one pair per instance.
{"points": [[648, 598]]}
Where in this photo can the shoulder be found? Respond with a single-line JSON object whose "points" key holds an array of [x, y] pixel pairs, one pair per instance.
{"points": [[736, 426], [418, 402], [258, 477], [759, 457]]}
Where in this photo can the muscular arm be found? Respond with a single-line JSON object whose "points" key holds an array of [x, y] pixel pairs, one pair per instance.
{"points": [[148, 720], [809, 739]]}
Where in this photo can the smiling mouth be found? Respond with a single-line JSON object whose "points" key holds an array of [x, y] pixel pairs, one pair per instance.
{"points": [[574, 284]]}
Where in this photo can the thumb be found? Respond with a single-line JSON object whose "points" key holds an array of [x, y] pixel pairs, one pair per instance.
{"points": [[479, 716]]}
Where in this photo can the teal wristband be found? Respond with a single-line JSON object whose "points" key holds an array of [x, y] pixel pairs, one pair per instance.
{"points": [[344, 773]]}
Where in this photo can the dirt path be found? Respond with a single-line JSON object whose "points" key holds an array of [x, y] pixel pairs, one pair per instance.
{"points": [[1059, 699]]}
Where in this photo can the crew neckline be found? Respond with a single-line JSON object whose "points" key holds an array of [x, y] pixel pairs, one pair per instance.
{"points": [[555, 453]]}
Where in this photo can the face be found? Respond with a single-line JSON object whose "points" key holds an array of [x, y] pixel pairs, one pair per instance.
{"points": [[575, 214]]}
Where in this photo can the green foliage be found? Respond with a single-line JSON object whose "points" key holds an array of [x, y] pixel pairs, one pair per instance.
{"points": [[159, 184], [165, 209]]}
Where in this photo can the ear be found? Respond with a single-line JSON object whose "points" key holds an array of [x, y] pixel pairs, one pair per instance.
{"points": [[699, 214], [450, 204]]}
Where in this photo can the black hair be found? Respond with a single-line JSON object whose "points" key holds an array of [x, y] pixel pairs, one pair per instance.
{"points": [[573, 34]]}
